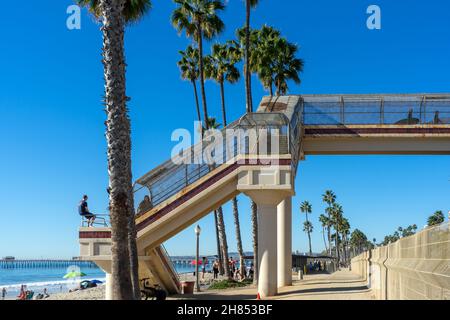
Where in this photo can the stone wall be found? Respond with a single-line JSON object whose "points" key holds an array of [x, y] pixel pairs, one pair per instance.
{"points": [[413, 268]]}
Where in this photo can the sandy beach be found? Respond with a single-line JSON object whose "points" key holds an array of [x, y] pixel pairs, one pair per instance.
{"points": [[88, 294], [98, 293]]}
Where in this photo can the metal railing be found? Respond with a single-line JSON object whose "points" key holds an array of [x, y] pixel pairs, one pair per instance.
{"points": [[179, 172], [102, 220], [169, 260], [376, 109]]}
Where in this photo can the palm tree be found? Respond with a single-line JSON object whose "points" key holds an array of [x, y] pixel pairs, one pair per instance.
{"points": [[329, 198], [344, 227], [199, 19], [358, 240], [115, 15], [212, 123], [220, 67], [325, 225], [306, 208], [286, 66], [266, 54], [336, 217], [188, 65], [249, 4]]}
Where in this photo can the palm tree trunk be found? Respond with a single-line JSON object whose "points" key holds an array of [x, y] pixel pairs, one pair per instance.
{"points": [[329, 233], [197, 104], [248, 79], [344, 242], [337, 247], [222, 95], [202, 75], [324, 240], [119, 146], [219, 250], [255, 241], [271, 89], [309, 236], [132, 246], [223, 241], [238, 236]]}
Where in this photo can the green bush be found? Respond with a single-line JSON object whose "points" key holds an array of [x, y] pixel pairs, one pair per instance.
{"points": [[228, 284]]}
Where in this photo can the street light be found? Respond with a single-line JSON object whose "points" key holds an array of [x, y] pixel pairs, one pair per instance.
{"points": [[197, 230]]}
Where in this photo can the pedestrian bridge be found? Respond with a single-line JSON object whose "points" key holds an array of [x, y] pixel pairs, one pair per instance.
{"points": [[258, 155]]}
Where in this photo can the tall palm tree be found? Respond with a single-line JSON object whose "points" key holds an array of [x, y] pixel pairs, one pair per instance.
{"points": [[188, 65], [306, 208], [325, 225], [286, 66], [221, 66], [344, 227], [212, 123], [249, 4], [115, 14], [329, 198], [266, 53], [336, 218], [199, 19]]}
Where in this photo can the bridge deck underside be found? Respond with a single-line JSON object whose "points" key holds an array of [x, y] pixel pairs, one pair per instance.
{"points": [[377, 139]]}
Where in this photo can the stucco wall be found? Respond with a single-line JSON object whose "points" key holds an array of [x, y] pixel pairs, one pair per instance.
{"points": [[413, 268]]}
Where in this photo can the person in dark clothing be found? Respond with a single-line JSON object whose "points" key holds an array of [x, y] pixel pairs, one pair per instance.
{"points": [[216, 269], [83, 210], [251, 272]]}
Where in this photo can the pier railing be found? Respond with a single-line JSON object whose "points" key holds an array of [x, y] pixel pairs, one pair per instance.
{"points": [[45, 264]]}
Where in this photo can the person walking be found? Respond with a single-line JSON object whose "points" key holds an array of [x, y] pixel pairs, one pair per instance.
{"points": [[204, 263], [4, 293], [216, 269]]}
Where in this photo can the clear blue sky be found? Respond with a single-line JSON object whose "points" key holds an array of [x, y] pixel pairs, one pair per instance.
{"points": [[52, 132]]}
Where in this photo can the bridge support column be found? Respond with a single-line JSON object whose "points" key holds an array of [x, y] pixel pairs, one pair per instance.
{"points": [[267, 250], [108, 287], [267, 202], [284, 234]]}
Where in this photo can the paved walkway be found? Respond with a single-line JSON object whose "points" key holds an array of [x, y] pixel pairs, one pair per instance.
{"points": [[342, 285]]}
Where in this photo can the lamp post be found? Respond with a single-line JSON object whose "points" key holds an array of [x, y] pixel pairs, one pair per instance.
{"points": [[197, 233]]}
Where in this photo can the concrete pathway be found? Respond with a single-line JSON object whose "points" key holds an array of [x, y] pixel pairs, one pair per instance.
{"points": [[342, 285]]}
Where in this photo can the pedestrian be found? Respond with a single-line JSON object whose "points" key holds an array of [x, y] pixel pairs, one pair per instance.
{"points": [[251, 272], [216, 269], [4, 293], [204, 263]]}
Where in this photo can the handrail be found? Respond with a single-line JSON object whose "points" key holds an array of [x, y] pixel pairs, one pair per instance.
{"points": [[377, 109], [166, 253], [104, 218]]}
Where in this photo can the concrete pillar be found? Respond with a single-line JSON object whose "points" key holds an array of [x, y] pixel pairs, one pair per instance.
{"points": [[267, 250], [108, 287], [284, 234]]}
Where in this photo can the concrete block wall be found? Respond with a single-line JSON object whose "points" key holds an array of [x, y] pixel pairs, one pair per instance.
{"points": [[413, 268]]}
